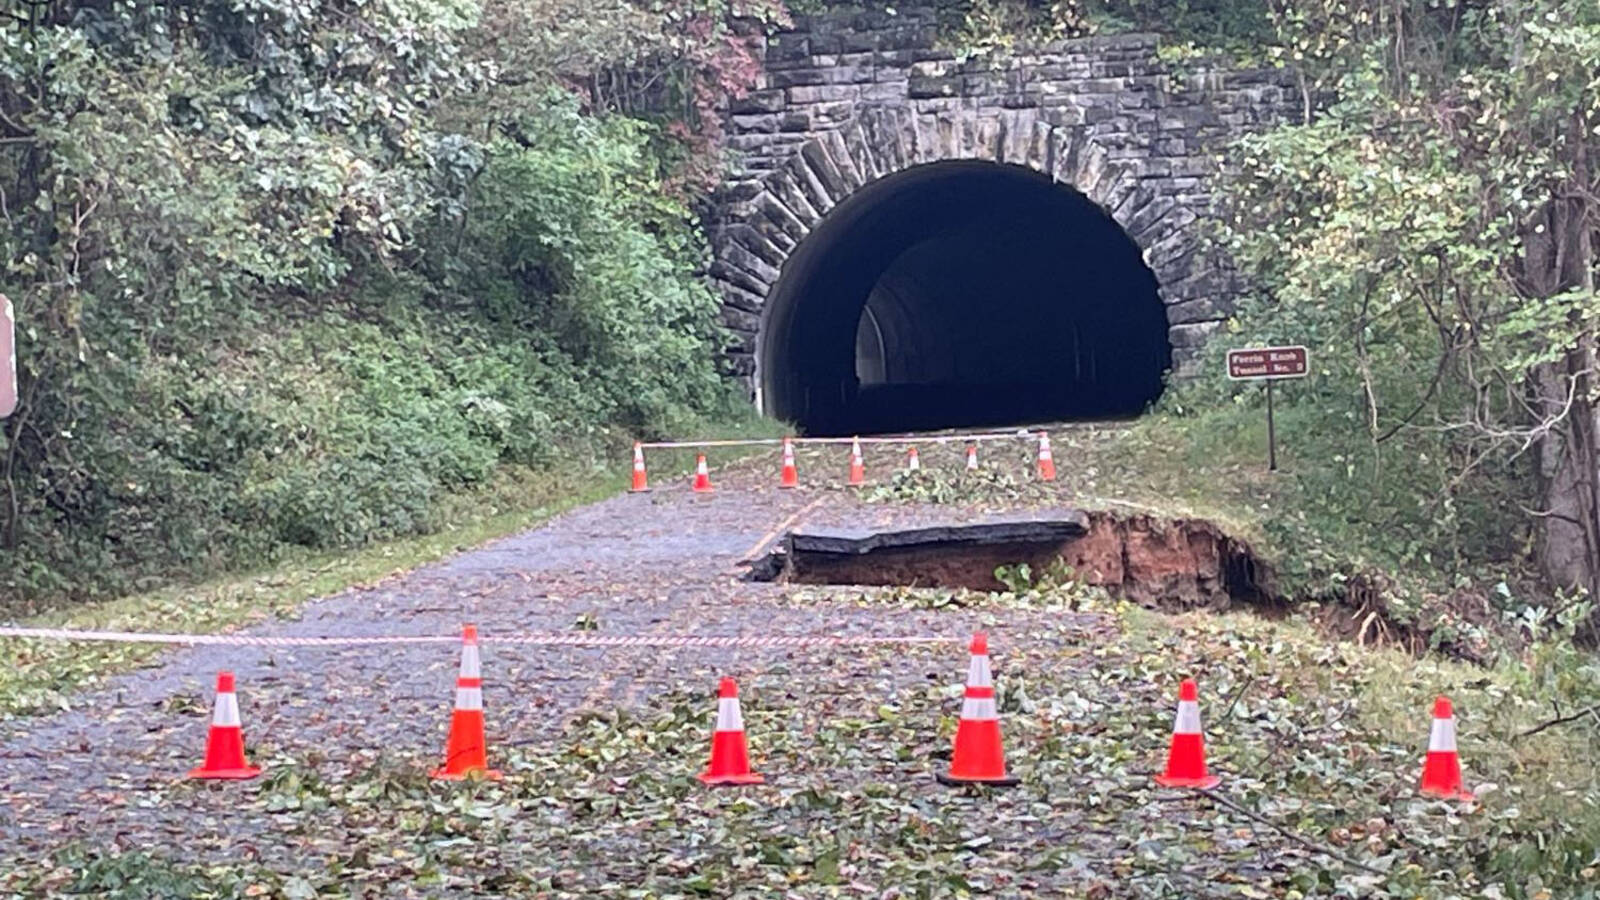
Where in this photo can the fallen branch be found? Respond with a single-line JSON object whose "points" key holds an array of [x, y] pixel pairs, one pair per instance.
{"points": [[1560, 720], [1240, 693], [1308, 844]]}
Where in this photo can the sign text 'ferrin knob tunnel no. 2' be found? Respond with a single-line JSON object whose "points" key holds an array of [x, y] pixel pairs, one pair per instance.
{"points": [[1269, 364]]}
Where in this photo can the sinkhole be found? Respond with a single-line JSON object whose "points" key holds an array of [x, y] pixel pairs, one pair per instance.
{"points": [[1165, 563], [960, 294]]}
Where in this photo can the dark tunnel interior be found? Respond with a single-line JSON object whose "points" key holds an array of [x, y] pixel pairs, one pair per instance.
{"points": [[962, 294]]}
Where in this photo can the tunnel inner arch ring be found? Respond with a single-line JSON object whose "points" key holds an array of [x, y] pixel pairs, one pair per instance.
{"points": [[961, 293]]}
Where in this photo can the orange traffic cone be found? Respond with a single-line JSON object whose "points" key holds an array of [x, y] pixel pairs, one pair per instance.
{"points": [[972, 457], [641, 483], [791, 476], [702, 476], [1186, 760], [1047, 462], [858, 469], [978, 757], [466, 750], [225, 742], [1441, 773], [912, 462], [730, 759]]}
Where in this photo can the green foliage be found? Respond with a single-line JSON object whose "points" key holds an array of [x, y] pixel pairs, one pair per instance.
{"points": [[274, 289], [142, 876], [573, 236], [981, 27], [1407, 234], [948, 485], [1232, 25]]}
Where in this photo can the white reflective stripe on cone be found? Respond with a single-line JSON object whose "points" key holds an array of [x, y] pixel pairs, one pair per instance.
{"points": [[978, 672], [728, 716], [1443, 737], [226, 711], [470, 666], [979, 709], [469, 698], [1188, 721]]}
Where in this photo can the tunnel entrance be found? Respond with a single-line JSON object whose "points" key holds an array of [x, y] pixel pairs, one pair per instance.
{"points": [[960, 294]]}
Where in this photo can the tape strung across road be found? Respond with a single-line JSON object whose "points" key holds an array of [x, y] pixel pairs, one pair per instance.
{"points": [[550, 639], [799, 441]]}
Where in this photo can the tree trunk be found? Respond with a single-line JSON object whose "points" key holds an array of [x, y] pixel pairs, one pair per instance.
{"points": [[1568, 465], [1563, 259]]}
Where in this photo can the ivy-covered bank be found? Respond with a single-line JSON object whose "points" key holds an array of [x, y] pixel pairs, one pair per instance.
{"points": [[288, 274]]}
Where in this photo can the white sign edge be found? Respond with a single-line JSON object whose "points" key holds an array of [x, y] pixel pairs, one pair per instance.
{"points": [[8, 366]]}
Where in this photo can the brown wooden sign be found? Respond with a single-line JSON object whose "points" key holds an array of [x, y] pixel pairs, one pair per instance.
{"points": [[8, 359], [1269, 362]]}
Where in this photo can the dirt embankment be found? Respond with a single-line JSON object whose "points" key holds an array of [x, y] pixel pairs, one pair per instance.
{"points": [[1172, 564], [1167, 563]]}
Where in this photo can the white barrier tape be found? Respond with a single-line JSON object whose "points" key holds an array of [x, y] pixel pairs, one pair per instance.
{"points": [[924, 439], [536, 638], [596, 640], [247, 640], [735, 442]]}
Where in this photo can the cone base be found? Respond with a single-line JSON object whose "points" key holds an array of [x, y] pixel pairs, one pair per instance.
{"points": [[1000, 781], [240, 774], [704, 490], [643, 490], [747, 778], [485, 774], [787, 487], [1204, 784], [1444, 794]]}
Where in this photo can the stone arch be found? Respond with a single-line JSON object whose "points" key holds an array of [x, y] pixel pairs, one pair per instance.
{"points": [[756, 243]]}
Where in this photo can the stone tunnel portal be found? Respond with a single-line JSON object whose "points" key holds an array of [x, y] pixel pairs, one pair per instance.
{"points": [[957, 294]]}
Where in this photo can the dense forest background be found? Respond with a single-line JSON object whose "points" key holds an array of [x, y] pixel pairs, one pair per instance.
{"points": [[290, 273], [293, 273]]}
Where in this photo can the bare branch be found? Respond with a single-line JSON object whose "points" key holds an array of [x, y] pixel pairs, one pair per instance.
{"points": [[1560, 720], [1329, 852]]}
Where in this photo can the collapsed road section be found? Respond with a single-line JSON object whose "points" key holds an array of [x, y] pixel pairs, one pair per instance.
{"points": [[1170, 563]]}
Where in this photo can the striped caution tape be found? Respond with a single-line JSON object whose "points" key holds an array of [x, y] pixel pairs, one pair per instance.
{"points": [[536, 638], [232, 640], [918, 439], [690, 640]]}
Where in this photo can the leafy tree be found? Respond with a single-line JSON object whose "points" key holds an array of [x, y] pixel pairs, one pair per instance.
{"points": [[1432, 227]]}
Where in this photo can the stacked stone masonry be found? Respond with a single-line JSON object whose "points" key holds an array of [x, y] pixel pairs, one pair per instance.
{"points": [[844, 100]]}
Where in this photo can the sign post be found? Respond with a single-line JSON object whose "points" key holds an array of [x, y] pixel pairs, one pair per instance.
{"points": [[8, 358], [1269, 364]]}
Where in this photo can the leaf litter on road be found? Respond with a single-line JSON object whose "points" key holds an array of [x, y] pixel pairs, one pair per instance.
{"points": [[849, 742], [1318, 742]]}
